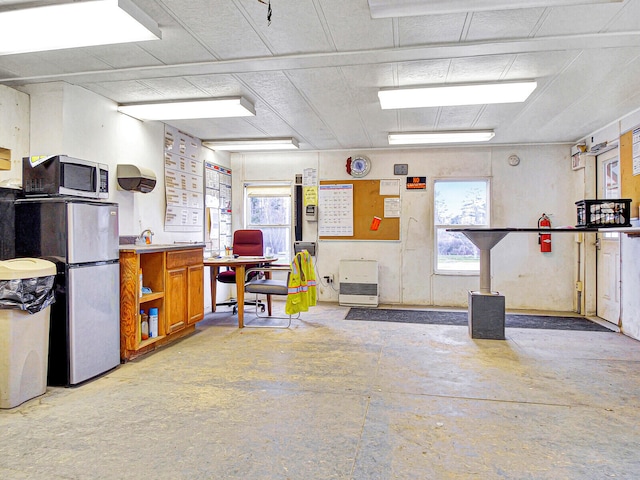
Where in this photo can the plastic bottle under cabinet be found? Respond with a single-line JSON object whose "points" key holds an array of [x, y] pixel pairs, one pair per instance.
{"points": [[144, 325], [153, 322]]}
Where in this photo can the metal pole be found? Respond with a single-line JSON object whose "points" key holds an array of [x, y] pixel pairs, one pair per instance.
{"points": [[485, 272]]}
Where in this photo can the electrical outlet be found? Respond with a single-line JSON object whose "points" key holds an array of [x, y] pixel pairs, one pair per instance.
{"points": [[328, 278]]}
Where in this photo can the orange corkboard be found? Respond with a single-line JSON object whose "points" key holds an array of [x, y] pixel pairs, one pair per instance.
{"points": [[368, 212], [630, 184]]}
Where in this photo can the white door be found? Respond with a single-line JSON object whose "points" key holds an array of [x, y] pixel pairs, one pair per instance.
{"points": [[608, 244]]}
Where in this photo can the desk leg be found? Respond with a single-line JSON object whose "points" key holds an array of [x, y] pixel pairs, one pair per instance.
{"points": [[240, 272], [267, 275], [213, 274]]}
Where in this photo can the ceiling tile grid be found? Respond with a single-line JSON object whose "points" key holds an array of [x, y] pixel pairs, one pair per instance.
{"points": [[314, 72]]}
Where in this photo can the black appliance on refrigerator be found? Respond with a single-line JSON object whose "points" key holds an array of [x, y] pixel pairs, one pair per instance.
{"points": [[81, 238], [8, 197]]}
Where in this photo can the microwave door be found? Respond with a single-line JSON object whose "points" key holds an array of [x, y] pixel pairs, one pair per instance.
{"points": [[78, 179]]}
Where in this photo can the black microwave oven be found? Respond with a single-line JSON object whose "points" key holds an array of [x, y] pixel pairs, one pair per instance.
{"points": [[62, 175]]}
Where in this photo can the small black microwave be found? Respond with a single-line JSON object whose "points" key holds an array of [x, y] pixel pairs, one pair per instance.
{"points": [[62, 175]]}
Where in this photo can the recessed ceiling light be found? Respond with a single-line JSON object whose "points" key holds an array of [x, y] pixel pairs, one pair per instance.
{"points": [[452, 95], [410, 8], [245, 144], [187, 109], [76, 24], [418, 138]]}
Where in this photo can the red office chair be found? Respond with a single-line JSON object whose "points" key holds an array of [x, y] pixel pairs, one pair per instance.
{"points": [[246, 243]]}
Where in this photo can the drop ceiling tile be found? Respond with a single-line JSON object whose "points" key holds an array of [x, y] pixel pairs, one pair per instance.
{"points": [[627, 19], [174, 87], [221, 28], [178, 46], [479, 69], [430, 29], [458, 118], [427, 72], [334, 101], [519, 23], [282, 96], [124, 55], [56, 62], [537, 65], [218, 128], [129, 91], [219, 85], [296, 27], [575, 20], [351, 27]]}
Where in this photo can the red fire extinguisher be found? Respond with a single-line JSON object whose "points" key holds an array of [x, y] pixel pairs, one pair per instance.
{"points": [[544, 239]]}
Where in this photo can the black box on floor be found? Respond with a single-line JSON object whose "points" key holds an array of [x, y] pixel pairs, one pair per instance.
{"points": [[486, 316]]}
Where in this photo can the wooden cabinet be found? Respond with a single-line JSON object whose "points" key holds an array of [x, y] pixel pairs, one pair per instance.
{"points": [[185, 282], [176, 280], [196, 293], [177, 288]]}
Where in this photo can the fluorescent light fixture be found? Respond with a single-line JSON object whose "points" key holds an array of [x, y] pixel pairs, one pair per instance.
{"points": [[187, 109], [410, 8], [76, 24], [245, 144], [452, 95], [418, 138]]}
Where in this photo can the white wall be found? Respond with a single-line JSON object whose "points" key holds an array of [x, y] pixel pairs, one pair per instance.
{"points": [[542, 183], [70, 120], [59, 118], [14, 131]]}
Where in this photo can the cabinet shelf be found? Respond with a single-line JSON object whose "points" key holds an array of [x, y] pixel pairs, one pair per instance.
{"points": [[148, 297], [149, 341]]}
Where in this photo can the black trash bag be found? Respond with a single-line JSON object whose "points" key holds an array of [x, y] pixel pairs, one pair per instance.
{"points": [[29, 294]]}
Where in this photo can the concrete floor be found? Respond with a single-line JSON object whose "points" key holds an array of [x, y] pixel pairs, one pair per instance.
{"points": [[337, 399]]}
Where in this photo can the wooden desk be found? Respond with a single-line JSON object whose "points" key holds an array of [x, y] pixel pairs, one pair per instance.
{"points": [[239, 264]]}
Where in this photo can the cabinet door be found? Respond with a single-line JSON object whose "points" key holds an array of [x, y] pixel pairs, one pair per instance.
{"points": [[196, 293], [176, 297]]}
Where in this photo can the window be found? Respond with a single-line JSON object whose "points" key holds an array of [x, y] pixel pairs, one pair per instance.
{"points": [[459, 203], [268, 208]]}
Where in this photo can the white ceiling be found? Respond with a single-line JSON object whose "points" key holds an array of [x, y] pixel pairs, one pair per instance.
{"points": [[314, 73]]}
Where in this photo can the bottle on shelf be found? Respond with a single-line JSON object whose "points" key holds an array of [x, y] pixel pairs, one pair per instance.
{"points": [[144, 325], [153, 322]]}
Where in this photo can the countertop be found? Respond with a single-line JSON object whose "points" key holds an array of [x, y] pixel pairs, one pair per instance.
{"points": [[159, 247]]}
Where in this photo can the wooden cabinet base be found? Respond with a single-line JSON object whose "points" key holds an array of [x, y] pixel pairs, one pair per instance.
{"points": [[174, 290]]}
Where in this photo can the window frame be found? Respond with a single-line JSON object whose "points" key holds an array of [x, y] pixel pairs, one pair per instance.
{"points": [[439, 227], [283, 186]]}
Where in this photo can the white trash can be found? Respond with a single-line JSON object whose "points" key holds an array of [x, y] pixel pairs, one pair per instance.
{"points": [[26, 291]]}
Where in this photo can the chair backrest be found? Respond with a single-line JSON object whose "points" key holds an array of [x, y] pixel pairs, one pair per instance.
{"points": [[248, 243]]}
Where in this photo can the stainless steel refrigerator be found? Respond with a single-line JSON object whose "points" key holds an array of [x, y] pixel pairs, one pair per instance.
{"points": [[81, 238]]}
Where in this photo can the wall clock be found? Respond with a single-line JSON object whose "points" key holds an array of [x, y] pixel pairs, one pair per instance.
{"points": [[358, 166]]}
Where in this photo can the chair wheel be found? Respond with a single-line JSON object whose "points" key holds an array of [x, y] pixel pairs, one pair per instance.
{"points": [[262, 308], [235, 310]]}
